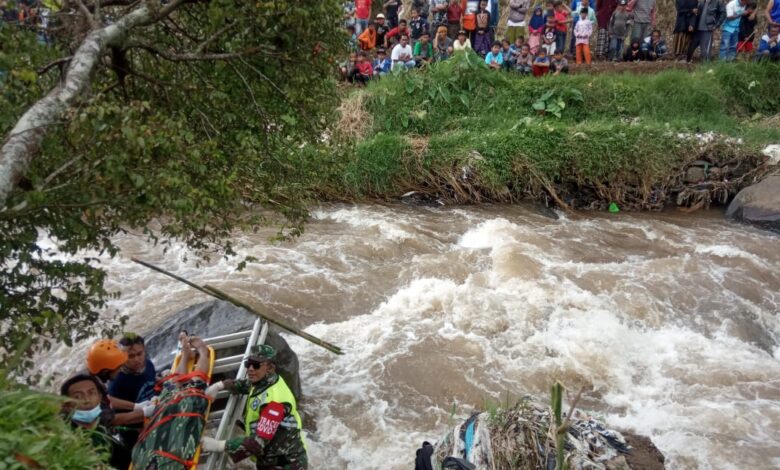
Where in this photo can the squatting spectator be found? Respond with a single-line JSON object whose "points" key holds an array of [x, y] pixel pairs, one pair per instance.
{"points": [[653, 47], [769, 47], [402, 54], [423, 50], [495, 59]]}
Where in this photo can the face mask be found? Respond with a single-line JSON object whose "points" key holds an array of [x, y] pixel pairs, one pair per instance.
{"points": [[86, 416]]}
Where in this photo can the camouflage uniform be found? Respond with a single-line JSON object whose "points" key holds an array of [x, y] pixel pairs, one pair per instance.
{"points": [[286, 450], [169, 442]]}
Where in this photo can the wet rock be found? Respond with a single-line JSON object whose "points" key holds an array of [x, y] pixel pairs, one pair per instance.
{"points": [[216, 318], [758, 204], [694, 174]]}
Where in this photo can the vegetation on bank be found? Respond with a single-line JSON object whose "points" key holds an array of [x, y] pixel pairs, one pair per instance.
{"points": [[463, 133]]}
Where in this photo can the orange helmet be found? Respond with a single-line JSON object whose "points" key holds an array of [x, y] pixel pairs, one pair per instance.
{"points": [[105, 354]]}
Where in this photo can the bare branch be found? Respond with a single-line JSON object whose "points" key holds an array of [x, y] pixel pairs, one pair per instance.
{"points": [[85, 11], [194, 56], [59, 62], [214, 37]]}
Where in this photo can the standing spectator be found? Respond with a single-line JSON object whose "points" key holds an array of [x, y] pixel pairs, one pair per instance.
{"points": [[423, 50], [559, 64], [349, 14], [495, 59], [382, 63], [442, 44], [469, 19], [729, 34], [516, 22], [541, 63], [391, 11], [548, 40], [417, 25], [483, 20], [438, 13], [769, 47], [352, 43], [772, 12], [392, 37], [381, 29], [482, 42], [423, 8], [710, 16], [684, 26], [582, 32], [747, 29], [618, 27], [462, 43], [562, 19], [367, 40], [604, 10], [524, 61], [454, 14], [362, 15], [643, 12], [576, 7], [402, 54], [535, 29], [634, 52], [653, 47]]}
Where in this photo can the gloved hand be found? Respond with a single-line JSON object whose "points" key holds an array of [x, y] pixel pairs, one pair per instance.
{"points": [[149, 410], [142, 405], [209, 444], [214, 388]]}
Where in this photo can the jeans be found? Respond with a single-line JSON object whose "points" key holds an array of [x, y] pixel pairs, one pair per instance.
{"points": [[639, 31], [703, 39], [615, 48], [409, 64], [360, 25], [728, 45], [560, 40]]}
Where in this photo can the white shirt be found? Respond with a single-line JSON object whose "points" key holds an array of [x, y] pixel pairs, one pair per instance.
{"points": [[401, 53]]}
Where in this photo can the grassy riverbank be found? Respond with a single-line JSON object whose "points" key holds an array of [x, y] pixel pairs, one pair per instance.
{"points": [[465, 134]]}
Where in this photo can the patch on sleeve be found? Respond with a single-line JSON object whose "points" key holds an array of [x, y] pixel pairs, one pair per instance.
{"points": [[270, 418]]}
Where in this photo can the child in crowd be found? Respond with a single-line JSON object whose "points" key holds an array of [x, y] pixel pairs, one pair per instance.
{"points": [[382, 63], [514, 49], [562, 17], [541, 63], [653, 47], [391, 10], [769, 47], [417, 25], [506, 52], [495, 59], [483, 19], [582, 32], [535, 29], [729, 34], [634, 52], [559, 64], [549, 43], [362, 71], [747, 28], [618, 28], [367, 39], [524, 61], [482, 38], [442, 44], [423, 50], [352, 43], [348, 66], [462, 42]]}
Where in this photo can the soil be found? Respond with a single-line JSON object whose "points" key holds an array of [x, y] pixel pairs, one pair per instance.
{"points": [[644, 454]]}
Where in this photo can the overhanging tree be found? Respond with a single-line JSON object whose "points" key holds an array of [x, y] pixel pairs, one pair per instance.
{"points": [[200, 115]]}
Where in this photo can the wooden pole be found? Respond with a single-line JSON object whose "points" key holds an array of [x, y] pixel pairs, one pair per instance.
{"points": [[216, 293]]}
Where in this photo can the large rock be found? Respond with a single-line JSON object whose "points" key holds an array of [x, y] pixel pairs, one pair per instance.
{"points": [[216, 318], [758, 204]]}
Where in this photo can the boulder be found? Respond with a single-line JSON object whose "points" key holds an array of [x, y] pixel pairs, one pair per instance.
{"points": [[216, 318], [758, 204]]}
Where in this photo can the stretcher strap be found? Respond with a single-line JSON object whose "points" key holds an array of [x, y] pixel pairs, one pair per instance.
{"points": [[176, 458], [170, 417]]}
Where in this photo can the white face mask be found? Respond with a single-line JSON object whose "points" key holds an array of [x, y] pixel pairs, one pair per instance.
{"points": [[86, 416]]}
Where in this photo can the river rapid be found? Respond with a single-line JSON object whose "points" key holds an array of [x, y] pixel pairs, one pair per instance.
{"points": [[670, 321]]}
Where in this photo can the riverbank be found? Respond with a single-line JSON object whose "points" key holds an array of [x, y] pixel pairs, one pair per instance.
{"points": [[459, 133]]}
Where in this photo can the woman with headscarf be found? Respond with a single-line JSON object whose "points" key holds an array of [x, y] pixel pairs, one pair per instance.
{"points": [[535, 29]]}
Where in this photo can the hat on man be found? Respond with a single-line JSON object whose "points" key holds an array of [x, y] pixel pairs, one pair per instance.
{"points": [[262, 353], [380, 16]]}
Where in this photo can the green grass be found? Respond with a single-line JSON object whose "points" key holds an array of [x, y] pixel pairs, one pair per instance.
{"points": [[615, 136]]}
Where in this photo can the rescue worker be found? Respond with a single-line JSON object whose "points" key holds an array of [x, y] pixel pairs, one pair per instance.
{"points": [[84, 410], [135, 380], [273, 430], [104, 360]]}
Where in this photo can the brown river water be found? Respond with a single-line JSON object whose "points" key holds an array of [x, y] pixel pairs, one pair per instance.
{"points": [[670, 321]]}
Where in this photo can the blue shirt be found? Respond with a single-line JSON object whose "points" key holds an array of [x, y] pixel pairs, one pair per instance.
{"points": [[134, 387], [733, 8], [498, 58]]}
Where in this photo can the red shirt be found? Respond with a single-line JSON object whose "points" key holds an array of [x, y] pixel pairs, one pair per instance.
{"points": [[364, 67], [454, 13], [560, 18], [363, 9]]}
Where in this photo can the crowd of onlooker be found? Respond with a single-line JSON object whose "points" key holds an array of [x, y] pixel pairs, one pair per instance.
{"points": [[32, 14], [541, 38]]}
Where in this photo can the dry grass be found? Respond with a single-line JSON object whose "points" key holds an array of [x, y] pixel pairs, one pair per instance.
{"points": [[354, 121]]}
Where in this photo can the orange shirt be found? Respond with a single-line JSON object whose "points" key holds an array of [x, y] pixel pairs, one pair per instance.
{"points": [[470, 8], [367, 39]]}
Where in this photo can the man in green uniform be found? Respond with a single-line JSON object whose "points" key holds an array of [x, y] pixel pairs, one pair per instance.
{"points": [[273, 430]]}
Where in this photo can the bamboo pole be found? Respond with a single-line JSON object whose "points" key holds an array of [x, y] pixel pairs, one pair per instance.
{"points": [[218, 294]]}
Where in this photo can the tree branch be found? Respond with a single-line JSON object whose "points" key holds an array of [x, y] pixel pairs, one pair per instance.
{"points": [[85, 11], [54, 63], [194, 56]]}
